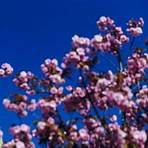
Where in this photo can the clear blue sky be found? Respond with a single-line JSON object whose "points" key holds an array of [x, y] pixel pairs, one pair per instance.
{"points": [[32, 30]]}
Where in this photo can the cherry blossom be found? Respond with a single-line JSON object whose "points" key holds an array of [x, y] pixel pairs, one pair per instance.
{"points": [[75, 103], [6, 70]]}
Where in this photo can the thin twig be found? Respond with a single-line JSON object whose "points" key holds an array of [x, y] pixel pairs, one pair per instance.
{"points": [[89, 97]]}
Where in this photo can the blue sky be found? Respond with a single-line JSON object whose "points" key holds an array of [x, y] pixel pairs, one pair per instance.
{"points": [[32, 30]]}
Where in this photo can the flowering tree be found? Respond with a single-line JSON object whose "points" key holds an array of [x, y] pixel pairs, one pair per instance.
{"points": [[110, 107]]}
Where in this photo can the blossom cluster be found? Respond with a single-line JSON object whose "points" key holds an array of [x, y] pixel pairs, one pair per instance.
{"points": [[22, 137], [82, 113], [25, 80], [135, 27], [20, 104], [113, 39], [136, 66], [52, 71], [6, 70]]}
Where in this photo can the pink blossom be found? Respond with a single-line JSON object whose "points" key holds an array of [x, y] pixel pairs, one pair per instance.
{"points": [[83, 135], [135, 27], [6, 70], [113, 118], [72, 102], [41, 125], [139, 137], [20, 144], [80, 41]]}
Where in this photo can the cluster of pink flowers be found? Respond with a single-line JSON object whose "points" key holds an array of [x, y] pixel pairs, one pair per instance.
{"points": [[95, 128], [78, 58], [89, 97], [20, 104], [80, 41], [77, 101], [136, 66], [22, 137], [52, 71], [47, 106], [105, 22], [6, 70], [138, 137], [48, 131], [142, 96], [135, 27], [112, 40], [25, 80]]}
